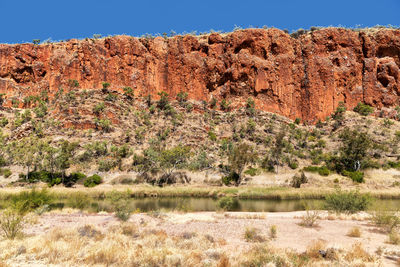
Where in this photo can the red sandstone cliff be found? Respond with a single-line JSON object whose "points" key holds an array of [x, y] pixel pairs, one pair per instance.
{"points": [[305, 77]]}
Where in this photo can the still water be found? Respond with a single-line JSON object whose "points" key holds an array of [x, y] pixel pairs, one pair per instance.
{"points": [[209, 204]]}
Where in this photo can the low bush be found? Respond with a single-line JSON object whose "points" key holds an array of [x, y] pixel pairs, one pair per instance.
{"points": [[228, 203], [310, 219], [11, 223], [5, 172], [231, 178], [356, 176], [394, 238], [386, 219], [92, 181], [347, 201], [354, 232], [298, 180], [253, 235], [363, 109], [323, 170], [252, 171]]}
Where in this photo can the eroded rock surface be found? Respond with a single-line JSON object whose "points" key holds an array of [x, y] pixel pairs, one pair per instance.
{"points": [[305, 77]]}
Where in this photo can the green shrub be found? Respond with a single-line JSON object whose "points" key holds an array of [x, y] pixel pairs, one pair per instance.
{"points": [[212, 136], [297, 121], [106, 165], [231, 178], [363, 109], [347, 201], [386, 219], [252, 171], [77, 176], [323, 170], [228, 203], [105, 85], [92, 181], [253, 235], [27, 201], [356, 176], [99, 108], [11, 223], [5, 172], [111, 97]]}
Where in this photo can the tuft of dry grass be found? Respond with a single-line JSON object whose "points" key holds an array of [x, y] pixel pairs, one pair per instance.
{"points": [[253, 235], [314, 248], [273, 231], [358, 252], [354, 232], [394, 238], [310, 219]]}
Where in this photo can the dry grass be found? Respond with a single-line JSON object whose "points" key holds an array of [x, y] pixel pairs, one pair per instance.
{"points": [[358, 252], [310, 219], [394, 238], [253, 235], [354, 232]]}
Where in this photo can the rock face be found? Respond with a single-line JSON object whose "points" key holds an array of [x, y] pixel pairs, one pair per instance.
{"points": [[305, 77]]}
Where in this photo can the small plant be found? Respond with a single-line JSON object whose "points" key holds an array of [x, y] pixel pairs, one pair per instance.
{"points": [[356, 176], [27, 201], [12, 223], [253, 235], [5, 172], [354, 232], [212, 136], [394, 238], [297, 121], [182, 97], [363, 109], [310, 218], [347, 201], [213, 103], [73, 83], [273, 231], [163, 102], [36, 41], [224, 105], [111, 97], [92, 181], [386, 219], [99, 108], [105, 85], [228, 203], [128, 91], [298, 180]]}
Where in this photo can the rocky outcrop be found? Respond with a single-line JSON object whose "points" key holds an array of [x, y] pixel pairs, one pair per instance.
{"points": [[305, 77]]}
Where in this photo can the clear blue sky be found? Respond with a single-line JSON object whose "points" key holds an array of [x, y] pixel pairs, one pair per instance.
{"points": [[24, 20]]}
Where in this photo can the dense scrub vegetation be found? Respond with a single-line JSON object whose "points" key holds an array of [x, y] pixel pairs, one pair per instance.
{"points": [[157, 138]]}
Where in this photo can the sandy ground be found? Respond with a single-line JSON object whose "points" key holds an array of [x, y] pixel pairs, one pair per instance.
{"points": [[229, 227]]}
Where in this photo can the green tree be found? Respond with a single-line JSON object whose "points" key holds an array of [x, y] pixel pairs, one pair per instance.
{"points": [[240, 157], [171, 159]]}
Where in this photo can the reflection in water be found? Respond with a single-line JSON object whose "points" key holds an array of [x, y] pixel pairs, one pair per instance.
{"points": [[209, 204]]}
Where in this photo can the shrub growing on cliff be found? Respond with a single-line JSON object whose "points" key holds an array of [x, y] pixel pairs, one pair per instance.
{"points": [[163, 102], [36, 41], [224, 105], [363, 109], [105, 85], [128, 91]]}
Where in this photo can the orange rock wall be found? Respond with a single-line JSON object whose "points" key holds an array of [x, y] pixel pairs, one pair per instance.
{"points": [[305, 77]]}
